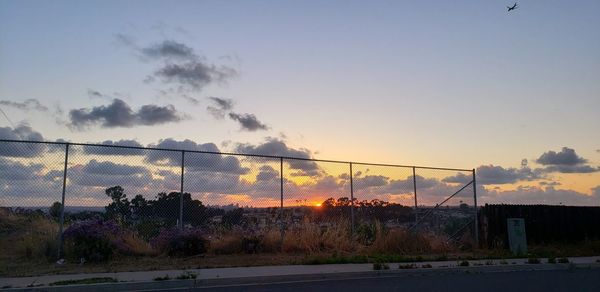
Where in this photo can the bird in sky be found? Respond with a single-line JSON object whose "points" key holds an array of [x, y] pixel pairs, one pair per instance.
{"points": [[513, 7]]}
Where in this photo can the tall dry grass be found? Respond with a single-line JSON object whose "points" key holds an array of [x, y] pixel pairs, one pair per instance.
{"points": [[404, 242], [310, 237], [28, 236]]}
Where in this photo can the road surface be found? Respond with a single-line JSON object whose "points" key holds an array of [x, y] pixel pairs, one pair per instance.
{"points": [[554, 280]]}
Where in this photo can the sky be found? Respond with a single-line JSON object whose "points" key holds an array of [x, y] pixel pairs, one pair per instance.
{"points": [[462, 84]]}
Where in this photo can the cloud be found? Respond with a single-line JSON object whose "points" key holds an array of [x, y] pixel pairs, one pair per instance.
{"points": [[169, 49], [191, 100], [193, 75], [110, 168], [120, 114], [14, 170], [267, 173], [565, 161], [27, 105], [490, 174], [277, 147], [21, 132], [181, 65], [194, 161], [248, 122], [571, 168], [99, 150], [105, 174], [370, 181], [566, 156], [536, 195], [221, 106]]}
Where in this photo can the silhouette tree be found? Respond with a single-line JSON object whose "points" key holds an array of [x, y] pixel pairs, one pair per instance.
{"points": [[119, 209]]}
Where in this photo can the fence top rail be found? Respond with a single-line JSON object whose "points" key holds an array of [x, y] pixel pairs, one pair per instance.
{"points": [[234, 154]]}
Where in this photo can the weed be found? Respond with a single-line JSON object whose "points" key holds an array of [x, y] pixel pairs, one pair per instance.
{"points": [[380, 266], [407, 266], [533, 260], [489, 263], [84, 281], [563, 260], [426, 266], [165, 278], [552, 260], [187, 276], [503, 262], [463, 264]]}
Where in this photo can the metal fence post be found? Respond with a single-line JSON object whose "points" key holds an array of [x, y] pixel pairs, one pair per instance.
{"points": [[415, 191], [351, 200], [281, 198], [62, 206], [476, 215], [181, 190]]}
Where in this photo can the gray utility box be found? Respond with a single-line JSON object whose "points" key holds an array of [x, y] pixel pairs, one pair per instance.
{"points": [[517, 239]]}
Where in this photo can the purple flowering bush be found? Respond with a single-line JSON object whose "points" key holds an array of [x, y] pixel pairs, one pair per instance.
{"points": [[95, 240], [178, 242]]}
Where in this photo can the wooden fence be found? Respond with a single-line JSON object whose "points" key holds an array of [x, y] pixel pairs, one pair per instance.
{"points": [[543, 224]]}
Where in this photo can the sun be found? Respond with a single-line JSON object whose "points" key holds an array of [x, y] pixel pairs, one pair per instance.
{"points": [[318, 205]]}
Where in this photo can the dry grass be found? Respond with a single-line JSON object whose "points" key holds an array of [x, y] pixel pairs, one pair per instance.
{"points": [[403, 242], [137, 245], [27, 236], [310, 238]]}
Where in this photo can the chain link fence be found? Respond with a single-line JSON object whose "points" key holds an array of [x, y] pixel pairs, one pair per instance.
{"points": [[152, 200]]}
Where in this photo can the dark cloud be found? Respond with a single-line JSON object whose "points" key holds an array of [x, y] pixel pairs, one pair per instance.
{"points": [[99, 150], [536, 195], [93, 94], [169, 49], [267, 173], [193, 75], [248, 122], [21, 132], [27, 105], [105, 174], [566, 156], [549, 183], [571, 168], [191, 100], [222, 103], [490, 174], [110, 168], [277, 147], [370, 181], [194, 161], [17, 171], [220, 108], [120, 114], [151, 114]]}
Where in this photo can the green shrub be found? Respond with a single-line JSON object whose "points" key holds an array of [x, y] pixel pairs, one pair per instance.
{"points": [[165, 278], [187, 276], [407, 266], [366, 233], [563, 260], [94, 240], [380, 266], [177, 242]]}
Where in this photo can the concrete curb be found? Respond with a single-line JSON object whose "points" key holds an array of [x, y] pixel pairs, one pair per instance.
{"points": [[263, 275]]}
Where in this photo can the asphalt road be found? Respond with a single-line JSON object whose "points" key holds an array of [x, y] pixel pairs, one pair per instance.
{"points": [[556, 280]]}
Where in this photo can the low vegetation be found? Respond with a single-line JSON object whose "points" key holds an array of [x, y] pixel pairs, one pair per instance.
{"points": [[85, 281], [126, 237]]}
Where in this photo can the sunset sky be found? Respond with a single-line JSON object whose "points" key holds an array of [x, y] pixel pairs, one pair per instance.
{"points": [[460, 84]]}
